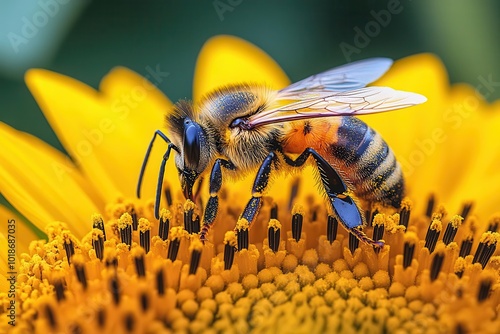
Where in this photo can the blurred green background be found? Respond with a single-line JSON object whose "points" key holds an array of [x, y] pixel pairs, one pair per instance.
{"points": [[85, 39]]}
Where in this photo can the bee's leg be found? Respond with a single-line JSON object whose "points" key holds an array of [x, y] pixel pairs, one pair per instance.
{"points": [[343, 205], [213, 202], [259, 185], [162, 168]]}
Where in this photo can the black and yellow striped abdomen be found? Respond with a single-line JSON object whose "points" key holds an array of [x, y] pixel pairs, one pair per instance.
{"points": [[357, 152]]}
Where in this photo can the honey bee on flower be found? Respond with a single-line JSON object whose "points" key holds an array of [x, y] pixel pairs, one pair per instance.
{"points": [[247, 128]]}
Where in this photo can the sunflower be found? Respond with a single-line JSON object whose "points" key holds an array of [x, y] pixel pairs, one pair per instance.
{"points": [[108, 265]]}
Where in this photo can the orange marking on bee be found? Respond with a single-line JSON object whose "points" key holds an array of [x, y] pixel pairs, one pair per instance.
{"points": [[316, 134]]}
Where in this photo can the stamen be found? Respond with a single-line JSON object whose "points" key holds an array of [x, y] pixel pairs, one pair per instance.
{"points": [[353, 242], [196, 247], [466, 246], [164, 227], [98, 222], [188, 216], [430, 206], [129, 322], [466, 210], [273, 234], [242, 233], [411, 240], [486, 248], [145, 234], [331, 229], [101, 317], [459, 267], [98, 243], [160, 282], [297, 219], [432, 235], [168, 196], [81, 275], [59, 289], [133, 214], [494, 223], [294, 190], [230, 248], [451, 229], [125, 228], [140, 267], [68, 246], [144, 301], [274, 211], [404, 213], [173, 248], [196, 224], [484, 290], [372, 217], [51, 317], [114, 288], [378, 227], [437, 263]]}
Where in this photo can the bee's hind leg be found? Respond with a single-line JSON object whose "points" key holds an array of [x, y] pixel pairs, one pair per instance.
{"points": [[213, 202], [343, 205]]}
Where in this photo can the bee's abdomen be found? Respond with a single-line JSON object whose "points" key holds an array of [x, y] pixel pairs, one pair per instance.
{"points": [[367, 162]]}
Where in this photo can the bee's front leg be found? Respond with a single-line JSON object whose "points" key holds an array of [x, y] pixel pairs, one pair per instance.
{"points": [[213, 202], [343, 205]]}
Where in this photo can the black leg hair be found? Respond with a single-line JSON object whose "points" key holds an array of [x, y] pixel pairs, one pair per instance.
{"points": [[343, 205], [162, 168], [213, 202]]}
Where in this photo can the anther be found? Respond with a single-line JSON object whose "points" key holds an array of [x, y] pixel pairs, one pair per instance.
{"points": [[168, 196], [331, 229], [353, 242], [114, 288], [101, 317], [466, 246], [486, 248], [229, 249], [188, 216], [133, 214], [68, 247], [484, 290], [98, 222], [242, 233], [466, 210], [451, 229], [160, 282], [144, 301], [59, 289], [80, 273], [294, 190], [196, 247], [273, 234], [378, 227], [144, 234], [411, 239], [173, 248], [125, 228], [437, 263], [494, 223], [432, 235], [98, 243], [51, 317], [164, 227], [140, 268], [372, 217], [430, 205], [297, 219], [129, 322], [274, 211], [404, 213]]}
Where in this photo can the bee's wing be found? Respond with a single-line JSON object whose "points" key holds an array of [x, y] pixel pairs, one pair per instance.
{"points": [[343, 78], [362, 101]]}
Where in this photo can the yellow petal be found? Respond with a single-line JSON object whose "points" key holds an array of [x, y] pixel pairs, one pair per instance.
{"points": [[226, 60], [23, 231], [105, 132], [42, 184]]}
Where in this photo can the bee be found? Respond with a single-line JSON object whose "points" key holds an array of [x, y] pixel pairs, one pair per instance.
{"points": [[248, 128]]}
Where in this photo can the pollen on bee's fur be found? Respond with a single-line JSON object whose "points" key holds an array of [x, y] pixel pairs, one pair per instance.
{"points": [[251, 276]]}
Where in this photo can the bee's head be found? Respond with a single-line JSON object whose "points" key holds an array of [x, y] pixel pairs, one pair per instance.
{"points": [[191, 140]]}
